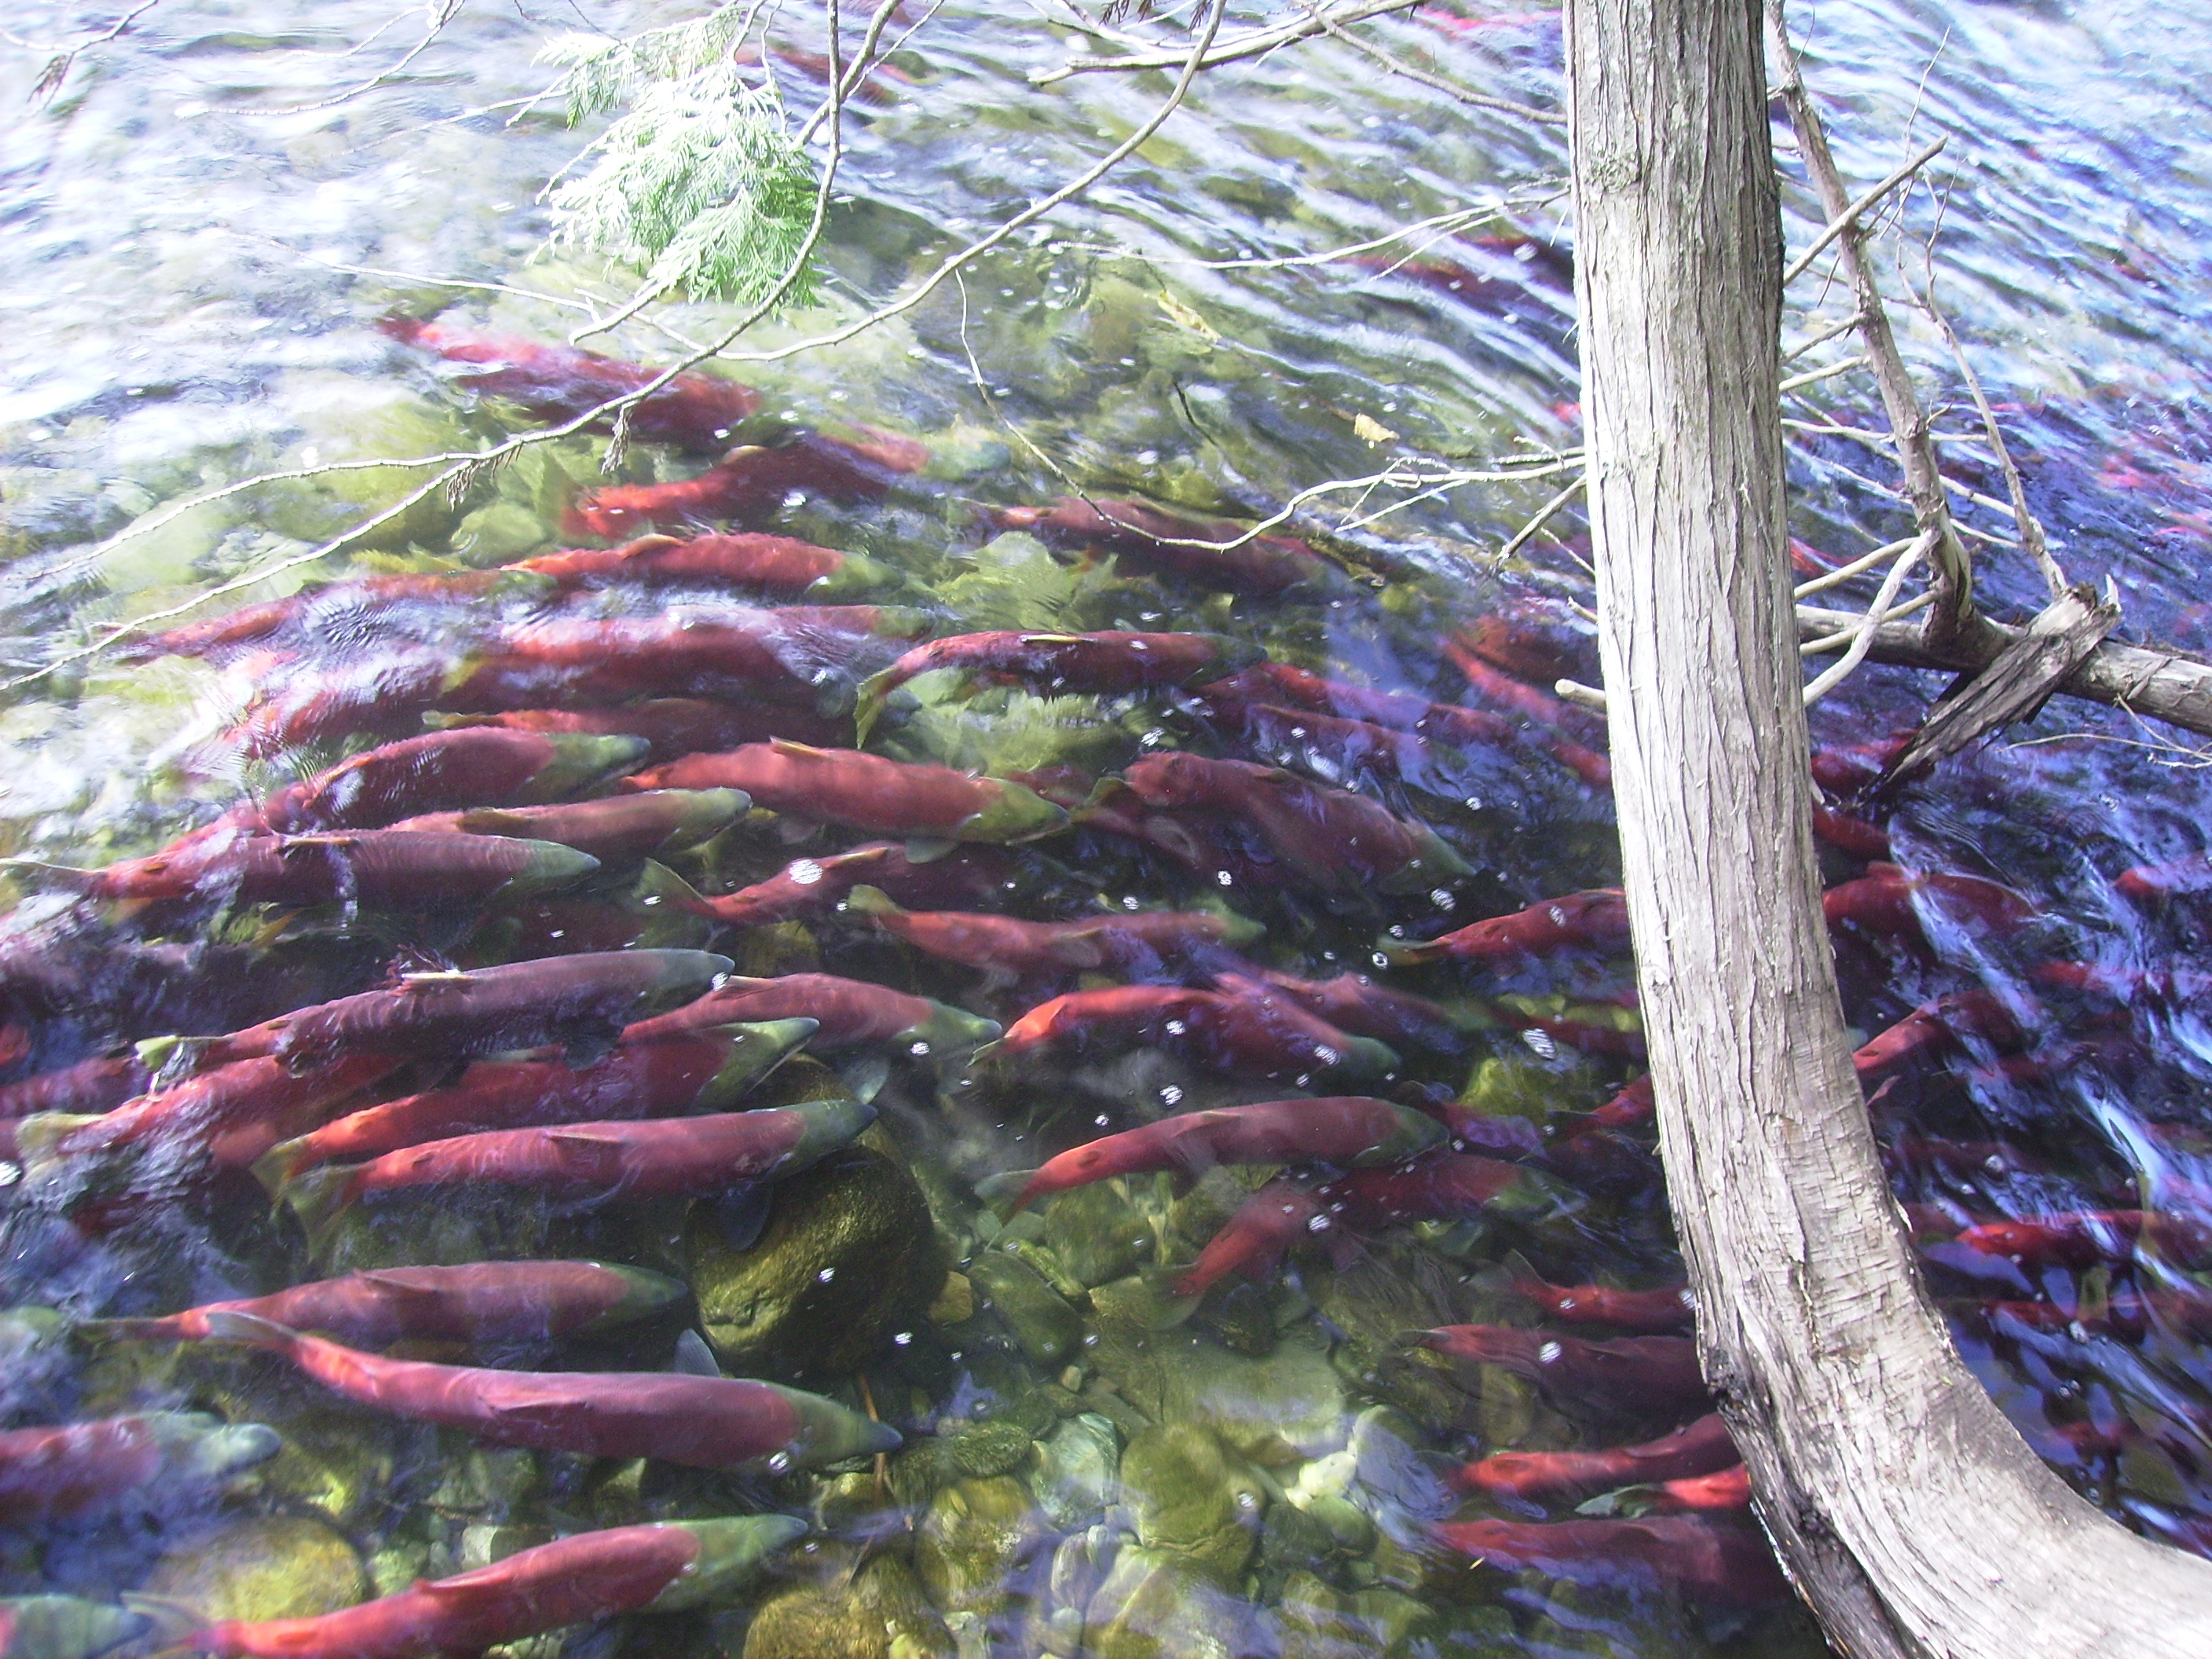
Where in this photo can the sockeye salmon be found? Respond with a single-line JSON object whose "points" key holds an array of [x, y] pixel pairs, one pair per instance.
{"points": [[613, 830], [1254, 1241], [1345, 1129], [866, 792], [666, 1566], [1448, 1187], [706, 1069], [1135, 944], [969, 874], [777, 564], [1242, 1030], [1595, 920], [1657, 1312], [847, 1012], [52, 1474], [480, 1302], [2083, 1238], [1721, 1561], [1148, 539], [1642, 1373], [578, 999], [806, 658], [700, 1422], [590, 1162], [1061, 665], [669, 728], [381, 869], [558, 383], [749, 483], [1702, 1447], [232, 1114], [1328, 838], [91, 1086], [1882, 901]]}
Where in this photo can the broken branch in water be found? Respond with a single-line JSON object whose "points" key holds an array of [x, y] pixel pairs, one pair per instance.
{"points": [[2017, 683]]}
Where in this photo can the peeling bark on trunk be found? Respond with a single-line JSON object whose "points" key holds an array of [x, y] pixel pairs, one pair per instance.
{"points": [[1914, 1519]]}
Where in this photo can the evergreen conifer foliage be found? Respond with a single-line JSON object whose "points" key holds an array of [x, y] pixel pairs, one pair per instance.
{"points": [[698, 183]]}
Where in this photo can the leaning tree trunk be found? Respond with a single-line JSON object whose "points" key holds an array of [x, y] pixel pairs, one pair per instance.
{"points": [[1910, 1515]]}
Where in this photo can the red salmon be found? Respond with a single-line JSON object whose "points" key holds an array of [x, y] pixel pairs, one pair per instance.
{"points": [[708, 1069], [777, 564], [971, 874], [1717, 1560], [1655, 1312], [1243, 1030], [701, 1422], [750, 484], [866, 792], [613, 830], [1062, 665], [1254, 1240], [671, 727], [481, 1302], [1703, 1448], [1642, 1373], [1134, 943], [1152, 540], [52, 1474], [665, 1566], [847, 1012], [1319, 836], [557, 383], [520, 1005], [1351, 1129], [1593, 920]]}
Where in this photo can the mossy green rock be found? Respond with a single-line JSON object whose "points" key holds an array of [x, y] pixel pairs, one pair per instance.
{"points": [[1098, 1233], [1192, 1505], [882, 1615], [848, 1260], [1042, 1320], [278, 1566], [970, 1538], [1318, 1622]]}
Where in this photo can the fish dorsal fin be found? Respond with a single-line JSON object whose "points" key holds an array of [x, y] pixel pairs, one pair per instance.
{"points": [[1052, 639], [584, 1150], [400, 1283], [786, 747], [491, 821]]}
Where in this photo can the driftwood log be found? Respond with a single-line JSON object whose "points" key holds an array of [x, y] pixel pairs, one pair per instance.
{"points": [[1912, 1517]]}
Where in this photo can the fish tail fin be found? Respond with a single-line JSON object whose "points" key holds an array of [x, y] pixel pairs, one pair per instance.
{"points": [[61, 875], [1008, 1194], [868, 702], [171, 1624], [1522, 1278], [871, 902], [281, 1165], [227, 1325], [318, 1197]]}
